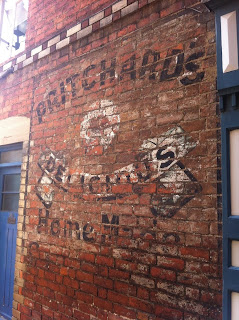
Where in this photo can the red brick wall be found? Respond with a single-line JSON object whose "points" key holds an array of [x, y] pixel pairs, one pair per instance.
{"points": [[122, 216], [49, 17]]}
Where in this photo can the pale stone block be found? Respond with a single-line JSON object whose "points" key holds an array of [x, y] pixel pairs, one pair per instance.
{"points": [[20, 219], [19, 226], [20, 282], [62, 43], [53, 41], [84, 32], [73, 30], [129, 9], [19, 241], [36, 50], [27, 61], [21, 203], [24, 159], [21, 58], [107, 20], [119, 5], [96, 17], [16, 314], [7, 66], [20, 266]]}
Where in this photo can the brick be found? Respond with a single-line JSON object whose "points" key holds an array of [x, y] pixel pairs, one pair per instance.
{"points": [[86, 298], [125, 312], [84, 32], [107, 20], [25, 310], [105, 261], [96, 26], [53, 41], [120, 197], [108, 11], [127, 188], [83, 276], [163, 274], [27, 61], [142, 3], [118, 298], [88, 288], [62, 43], [129, 9], [80, 315], [174, 263], [119, 5], [103, 282], [195, 252], [7, 66], [85, 24], [103, 304], [36, 50], [125, 288], [21, 58], [118, 274], [96, 17], [85, 256], [139, 305], [89, 268], [143, 281], [168, 313], [73, 30]]}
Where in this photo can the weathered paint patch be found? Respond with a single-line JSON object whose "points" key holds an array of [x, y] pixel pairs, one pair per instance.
{"points": [[101, 124], [158, 163]]}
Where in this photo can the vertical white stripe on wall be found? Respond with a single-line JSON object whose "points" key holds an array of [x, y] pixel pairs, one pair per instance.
{"points": [[234, 168], [235, 306], [229, 42], [235, 254]]}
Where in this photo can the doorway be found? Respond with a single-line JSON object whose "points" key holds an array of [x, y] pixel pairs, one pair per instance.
{"points": [[10, 179]]}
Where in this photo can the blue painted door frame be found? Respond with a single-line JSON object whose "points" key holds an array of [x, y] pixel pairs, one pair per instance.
{"points": [[229, 122], [8, 233]]}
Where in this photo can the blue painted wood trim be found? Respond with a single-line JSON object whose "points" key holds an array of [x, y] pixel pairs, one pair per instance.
{"points": [[12, 164], [229, 121], [8, 235], [215, 4], [15, 146]]}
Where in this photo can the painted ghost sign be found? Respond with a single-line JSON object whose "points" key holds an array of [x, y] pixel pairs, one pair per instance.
{"points": [[149, 68], [160, 163], [53, 172], [157, 166], [100, 124]]}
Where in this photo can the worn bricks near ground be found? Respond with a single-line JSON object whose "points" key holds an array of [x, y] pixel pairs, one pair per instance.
{"points": [[121, 217]]}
